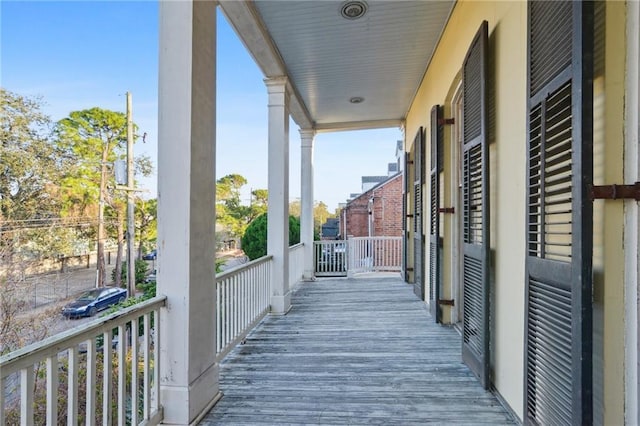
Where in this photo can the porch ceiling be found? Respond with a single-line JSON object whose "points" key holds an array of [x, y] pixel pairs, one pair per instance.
{"points": [[380, 57]]}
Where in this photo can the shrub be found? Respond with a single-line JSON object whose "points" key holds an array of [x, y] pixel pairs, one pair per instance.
{"points": [[254, 240], [141, 272]]}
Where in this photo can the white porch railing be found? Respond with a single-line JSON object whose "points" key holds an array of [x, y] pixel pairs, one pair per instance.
{"points": [[296, 264], [375, 254], [38, 375], [243, 295], [330, 257], [85, 374], [357, 254]]}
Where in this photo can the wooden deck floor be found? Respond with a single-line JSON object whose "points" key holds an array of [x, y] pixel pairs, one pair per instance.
{"points": [[352, 351]]}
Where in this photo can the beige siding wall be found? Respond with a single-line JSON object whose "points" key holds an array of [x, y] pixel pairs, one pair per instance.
{"points": [[507, 46], [608, 223], [508, 73]]}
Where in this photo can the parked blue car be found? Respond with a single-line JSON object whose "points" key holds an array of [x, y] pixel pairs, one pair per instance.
{"points": [[152, 255], [89, 303]]}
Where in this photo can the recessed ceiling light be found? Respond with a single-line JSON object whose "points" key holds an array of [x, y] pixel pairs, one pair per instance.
{"points": [[353, 9], [356, 100]]}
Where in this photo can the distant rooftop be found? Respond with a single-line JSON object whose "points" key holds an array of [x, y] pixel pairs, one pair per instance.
{"points": [[373, 179]]}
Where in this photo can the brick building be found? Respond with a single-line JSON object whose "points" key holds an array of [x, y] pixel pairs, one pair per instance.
{"points": [[376, 212]]}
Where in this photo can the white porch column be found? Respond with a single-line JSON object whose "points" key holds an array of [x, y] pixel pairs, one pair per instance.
{"points": [[278, 211], [306, 200], [186, 193]]}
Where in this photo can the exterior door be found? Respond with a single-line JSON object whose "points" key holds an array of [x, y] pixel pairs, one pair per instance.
{"points": [[558, 352], [418, 242], [435, 240], [475, 209]]}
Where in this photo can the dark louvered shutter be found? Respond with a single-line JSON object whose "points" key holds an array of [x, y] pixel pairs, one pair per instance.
{"points": [[559, 214], [418, 235], [405, 229], [435, 242], [475, 209]]}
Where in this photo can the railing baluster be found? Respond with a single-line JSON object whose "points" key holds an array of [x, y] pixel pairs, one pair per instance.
{"points": [[145, 353], [90, 416], [232, 311], [134, 371], [238, 287], [155, 392], [227, 313], [252, 295], [237, 305], [72, 386], [122, 382], [26, 396], [247, 300], [241, 324], [106, 377], [52, 390], [2, 401], [218, 318], [229, 319]]}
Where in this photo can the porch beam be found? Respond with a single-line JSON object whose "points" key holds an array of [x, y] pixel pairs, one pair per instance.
{"points": [[186, 213], [278, 207], [306, 200], [358, 125], [246, 22]]}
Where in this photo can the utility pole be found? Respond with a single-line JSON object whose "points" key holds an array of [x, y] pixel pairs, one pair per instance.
{"points": [[131, 260]]}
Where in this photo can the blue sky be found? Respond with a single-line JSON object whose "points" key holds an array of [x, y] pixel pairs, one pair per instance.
{"points": [[81, 54]]}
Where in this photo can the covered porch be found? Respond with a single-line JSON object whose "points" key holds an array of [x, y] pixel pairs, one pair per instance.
{"points": [[361, 350], [543, 325]]}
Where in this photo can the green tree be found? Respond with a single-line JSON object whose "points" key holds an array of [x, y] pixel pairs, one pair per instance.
{"points": [[259, 203], [254, 240], [295, 208], [230, 212], [30, 174], [95, 138], [146, 216], [320, 213], [29, 170]]}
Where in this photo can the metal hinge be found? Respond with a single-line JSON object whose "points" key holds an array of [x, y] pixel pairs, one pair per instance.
{"points": [[447, 302], [614, 192], [409, 215], [446, 210], [446, 121]]}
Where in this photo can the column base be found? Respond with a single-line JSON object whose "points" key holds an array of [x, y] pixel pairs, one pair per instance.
{"points": [[308, 276], [182, 405], [280, 305]]}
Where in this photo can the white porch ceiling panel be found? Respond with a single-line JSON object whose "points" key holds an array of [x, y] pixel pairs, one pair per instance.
{"points": [[329, 59]]}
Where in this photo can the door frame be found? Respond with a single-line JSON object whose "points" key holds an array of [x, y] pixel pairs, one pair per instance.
{"points": [[455, 192]]}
